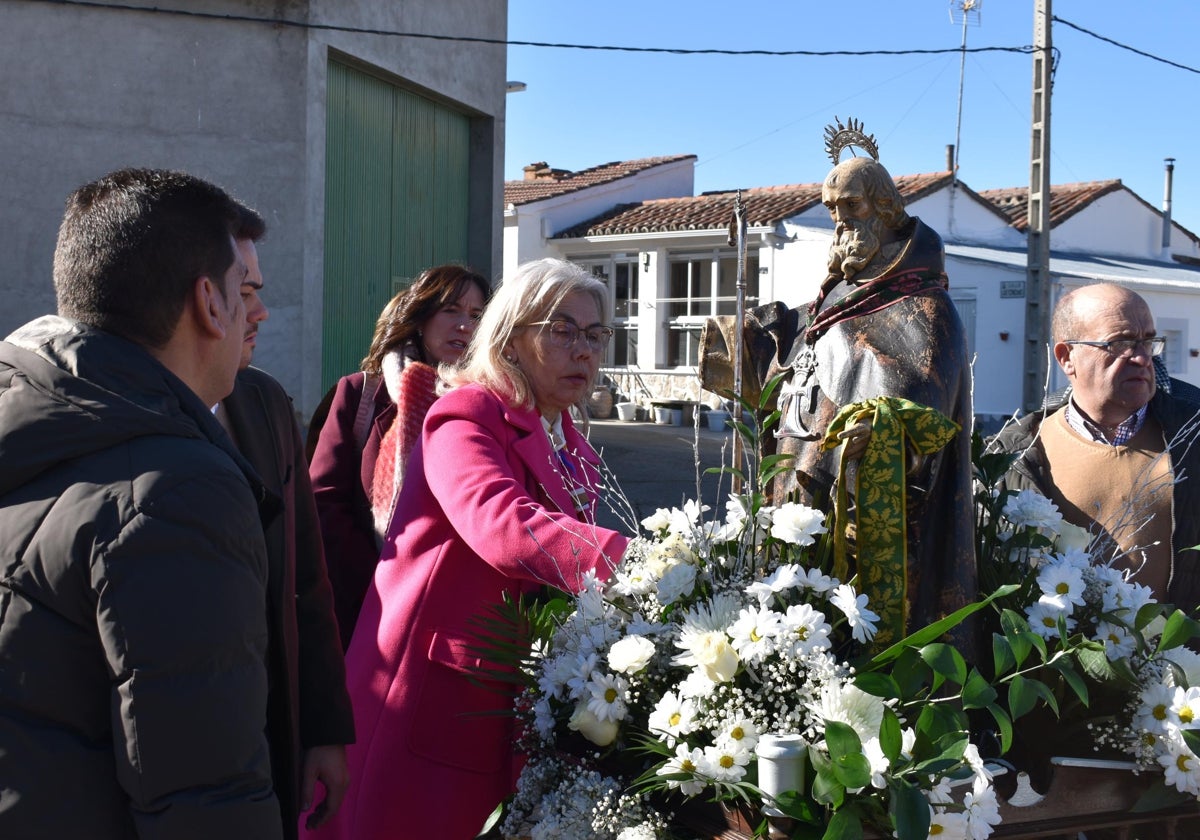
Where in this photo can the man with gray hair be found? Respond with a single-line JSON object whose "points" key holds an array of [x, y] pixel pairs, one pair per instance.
{"points": [[1116, 451], [133, 570]]}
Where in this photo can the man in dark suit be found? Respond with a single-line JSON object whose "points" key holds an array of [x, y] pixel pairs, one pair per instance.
{"points": [[309, 720]]}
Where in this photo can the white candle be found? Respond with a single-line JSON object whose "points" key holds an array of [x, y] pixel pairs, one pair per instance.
{"points": [[780, 767]]}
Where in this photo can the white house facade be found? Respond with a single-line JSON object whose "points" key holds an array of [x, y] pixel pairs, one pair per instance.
{"points": [[670, 264]]}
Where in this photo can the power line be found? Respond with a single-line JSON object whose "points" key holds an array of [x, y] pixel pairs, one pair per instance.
{"points": [[1123, 46], [394, 33]]}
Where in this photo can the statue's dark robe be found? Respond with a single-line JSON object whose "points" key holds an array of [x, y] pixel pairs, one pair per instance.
{"points": [[913, 348]]}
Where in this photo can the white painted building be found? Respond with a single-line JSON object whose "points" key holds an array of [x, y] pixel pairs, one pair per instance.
{"points": [[668, 259]]}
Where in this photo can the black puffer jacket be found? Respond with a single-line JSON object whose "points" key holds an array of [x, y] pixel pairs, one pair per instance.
{"points": [[133, 626], [1176, 407]]}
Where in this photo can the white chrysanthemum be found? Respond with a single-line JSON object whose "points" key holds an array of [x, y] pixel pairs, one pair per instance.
{"points": [[1028, 508], [948, 825], [657, 521], [862, 620], [543, 718], [708, 651], [609, 696], [1180, 768], [1120, 593], [717, 613], [581, 673], [725, 763], [633, 580], [676, 582], [554, 674], [1063, 583], [1043, 617], [982, 809], [739, 734], [788, 576], [683, 520], [754, 633], [1154, 708], [687, 762], [630, 654], [848, 704], [803, 631], [589, 603], [673, 716], [1118, 642], [797, 524], [696, 685]]}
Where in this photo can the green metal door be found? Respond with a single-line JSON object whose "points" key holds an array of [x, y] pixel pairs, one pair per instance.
{"points": [[396, 199]]}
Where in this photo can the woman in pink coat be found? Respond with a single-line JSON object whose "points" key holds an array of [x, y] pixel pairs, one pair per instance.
{"points": [[499, 497]]}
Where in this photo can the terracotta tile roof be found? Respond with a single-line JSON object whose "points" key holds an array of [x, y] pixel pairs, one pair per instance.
{"points": [[765, 206], [542, 182], [1065, 200]]}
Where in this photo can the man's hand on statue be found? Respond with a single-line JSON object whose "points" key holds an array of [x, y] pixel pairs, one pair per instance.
{"points": [[855, 438]]}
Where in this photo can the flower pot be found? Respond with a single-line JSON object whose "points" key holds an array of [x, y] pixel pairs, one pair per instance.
{"points": [[600, 404], [627, 411], [662, 416], [718, 420], [676, 416]]}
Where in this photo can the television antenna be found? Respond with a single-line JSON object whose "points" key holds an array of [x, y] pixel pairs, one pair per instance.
{"points": [[965, 13]]}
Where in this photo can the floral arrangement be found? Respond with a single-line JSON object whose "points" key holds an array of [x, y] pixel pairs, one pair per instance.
{"points": [[715, 640], [713, 637], [1116, 669]]}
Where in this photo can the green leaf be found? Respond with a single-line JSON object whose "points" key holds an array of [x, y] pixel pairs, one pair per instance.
{"points": [[1022, 696], [1071, 678], [1003, 659], [1179, 630], [909, 810], [847, 762], [937, 629], [878, 684], [977, 692], [841, 740], [1191, 737], [891, 738], [844, 825], [945, 662], [1158, 796], [1006, 728]]}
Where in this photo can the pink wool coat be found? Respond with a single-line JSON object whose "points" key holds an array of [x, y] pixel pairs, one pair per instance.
{"points": [[483, 510]]}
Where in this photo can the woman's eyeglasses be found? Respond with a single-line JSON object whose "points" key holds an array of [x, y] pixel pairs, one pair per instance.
{"points": [[565, 334]]}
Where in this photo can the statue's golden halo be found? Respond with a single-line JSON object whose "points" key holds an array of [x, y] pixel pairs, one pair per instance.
{"points": [[839, 137]]}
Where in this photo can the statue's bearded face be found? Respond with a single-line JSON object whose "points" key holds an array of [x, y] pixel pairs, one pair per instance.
{"points": [[858, 230]]}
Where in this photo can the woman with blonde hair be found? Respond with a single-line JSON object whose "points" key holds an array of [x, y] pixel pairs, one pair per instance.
{"points": [[499, 499]]}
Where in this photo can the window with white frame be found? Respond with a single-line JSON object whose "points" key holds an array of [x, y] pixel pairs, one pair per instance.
{"points": [[1175, 351], [620, 274], [701, 286]]}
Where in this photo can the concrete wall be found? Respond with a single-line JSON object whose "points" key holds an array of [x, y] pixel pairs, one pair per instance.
{"points": [[241, 103]]}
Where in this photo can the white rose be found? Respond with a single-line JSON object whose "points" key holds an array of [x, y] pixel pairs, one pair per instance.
{"points": [[599, 732], [716, 656], [1073, 537], [630, 654]]}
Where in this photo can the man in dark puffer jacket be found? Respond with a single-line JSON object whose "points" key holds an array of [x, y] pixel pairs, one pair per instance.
{"points": [[133, 571]]}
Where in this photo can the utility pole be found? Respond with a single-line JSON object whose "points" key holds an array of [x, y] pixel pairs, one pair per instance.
{"points": [[1037, 285]]}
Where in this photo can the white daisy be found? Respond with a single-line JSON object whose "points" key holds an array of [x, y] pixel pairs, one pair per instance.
{"points": [[1118, 642], [673, 716], [609, 696], [1062, 583], [1180, 768], [803, 630], [725, 763], [982, 809], [753, 634], [1043, 618], [948, 825], [739, 734], [862, 620], [686, 762]]}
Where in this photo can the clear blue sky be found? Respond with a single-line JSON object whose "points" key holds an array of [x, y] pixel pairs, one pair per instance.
{"points": [[757, 121]]}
